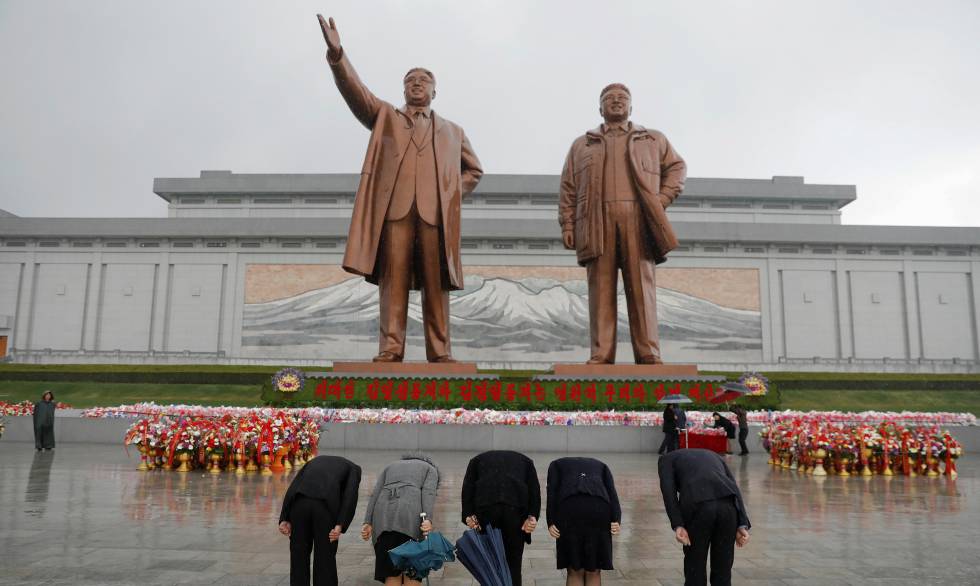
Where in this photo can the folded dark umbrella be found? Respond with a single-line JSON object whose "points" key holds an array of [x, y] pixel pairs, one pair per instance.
{"points": [[418, 558], [482, 553]]}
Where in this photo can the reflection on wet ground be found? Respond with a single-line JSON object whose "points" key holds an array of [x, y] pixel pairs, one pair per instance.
{"points": [[84, 515]]}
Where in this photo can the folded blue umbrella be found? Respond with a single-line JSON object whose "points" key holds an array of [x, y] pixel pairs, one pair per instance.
{"points": [[482, 553], [418, 558]]}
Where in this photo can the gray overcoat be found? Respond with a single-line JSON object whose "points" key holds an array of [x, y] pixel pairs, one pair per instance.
{"points": [[404, 489]]}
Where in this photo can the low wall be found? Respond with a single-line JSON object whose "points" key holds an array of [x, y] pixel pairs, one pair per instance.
{"points": [[409, 437]]}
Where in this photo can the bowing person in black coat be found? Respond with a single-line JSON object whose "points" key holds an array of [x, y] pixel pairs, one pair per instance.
{"points": [[583, 515], [706, 512], [501, 489], [729, 427], [318, 506]]}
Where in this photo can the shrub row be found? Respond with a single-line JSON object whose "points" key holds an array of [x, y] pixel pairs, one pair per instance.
{"points": [[509, 395]]}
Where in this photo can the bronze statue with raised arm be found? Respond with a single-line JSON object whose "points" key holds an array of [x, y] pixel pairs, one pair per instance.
{"points": [[405, 228], [617, 181]]}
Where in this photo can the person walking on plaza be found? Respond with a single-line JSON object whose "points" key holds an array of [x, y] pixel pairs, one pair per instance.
{"points": [[743, 428], [501, 489], [583, 514], [44, 422], [669, 428], [318, 507], [729, 427], [706, 512], [404, 491]]}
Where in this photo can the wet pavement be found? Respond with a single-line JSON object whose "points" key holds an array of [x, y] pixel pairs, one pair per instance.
{"points": [[84, 515]]}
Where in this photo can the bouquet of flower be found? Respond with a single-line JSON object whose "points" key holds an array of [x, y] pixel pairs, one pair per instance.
{"points": [[288, 380]]}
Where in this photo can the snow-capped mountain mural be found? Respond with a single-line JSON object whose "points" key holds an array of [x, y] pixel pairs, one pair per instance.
{"points": [[494, 320]]}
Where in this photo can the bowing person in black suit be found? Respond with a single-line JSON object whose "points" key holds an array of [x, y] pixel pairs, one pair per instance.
{"points": [[706, 512], [318, 506], [583, 515], [501, 489]]}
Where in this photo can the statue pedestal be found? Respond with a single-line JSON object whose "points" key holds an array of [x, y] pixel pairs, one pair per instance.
{"points": [[636, 370], [405, 368]]}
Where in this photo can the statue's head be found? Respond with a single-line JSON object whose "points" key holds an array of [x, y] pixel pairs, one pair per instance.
{"points": [[614, 103], [420, 87]]}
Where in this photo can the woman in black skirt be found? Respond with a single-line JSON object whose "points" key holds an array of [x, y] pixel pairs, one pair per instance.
{"points": [[405, 490], [583, 515]]}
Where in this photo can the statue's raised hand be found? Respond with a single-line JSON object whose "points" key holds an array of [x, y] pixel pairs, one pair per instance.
{"points": [[330, 34]]}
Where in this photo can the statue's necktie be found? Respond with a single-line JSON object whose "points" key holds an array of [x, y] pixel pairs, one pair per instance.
{"points": [[420, 128]]}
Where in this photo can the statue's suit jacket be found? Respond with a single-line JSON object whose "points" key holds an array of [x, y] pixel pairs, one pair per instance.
{"points": [[658, 174], [457, 173]]}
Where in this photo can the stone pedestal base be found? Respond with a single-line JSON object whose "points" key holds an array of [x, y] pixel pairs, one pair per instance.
{"points": [[407, 368], [650, 370]]}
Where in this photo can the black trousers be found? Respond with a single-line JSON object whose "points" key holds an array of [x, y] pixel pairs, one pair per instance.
{"points": [[44, 436], [712, 526], [509, 520], [672, 441], [743, 432], [312, 522]]}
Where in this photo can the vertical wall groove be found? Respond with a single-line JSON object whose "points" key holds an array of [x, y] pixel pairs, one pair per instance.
{"points": [[31, 305], [85, 297], [99, 308], [221, 305], [166, 308], [918, 314], [11, 343], [153, 306]]}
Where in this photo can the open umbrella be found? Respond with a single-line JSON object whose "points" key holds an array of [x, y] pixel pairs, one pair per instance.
{"points": [[729, 392], [483, 555], [418, 558], [676, 399]]}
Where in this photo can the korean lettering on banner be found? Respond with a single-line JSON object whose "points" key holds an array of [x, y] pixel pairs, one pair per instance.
{"points": [[335, 388], [492, 391]]}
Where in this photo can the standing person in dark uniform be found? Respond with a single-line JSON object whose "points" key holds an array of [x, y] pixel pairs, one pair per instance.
{"points": [[318, 506], [501, 489], [583, 515], [681, 421], [405, 490], [669, 428], [743, 428], [706, 512], [728, 426], [44, 422]]}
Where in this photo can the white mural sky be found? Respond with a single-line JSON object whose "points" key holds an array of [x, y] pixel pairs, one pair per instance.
{"points": [[102, 96]]}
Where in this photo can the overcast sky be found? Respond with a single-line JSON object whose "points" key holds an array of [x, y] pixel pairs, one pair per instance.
{"points": [[98, 98]]}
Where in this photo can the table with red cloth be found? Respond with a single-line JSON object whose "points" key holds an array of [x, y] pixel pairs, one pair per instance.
{"points": [[715, 442]]}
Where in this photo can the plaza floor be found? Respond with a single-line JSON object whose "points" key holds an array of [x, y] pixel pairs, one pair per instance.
{"points": [[84, 515]]}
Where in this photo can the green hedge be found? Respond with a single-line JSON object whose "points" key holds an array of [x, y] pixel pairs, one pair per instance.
{"points": [[539, 395], [156, 374], [868, 381]]}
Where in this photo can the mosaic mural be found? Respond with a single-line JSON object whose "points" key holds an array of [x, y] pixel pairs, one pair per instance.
{"points": [[504, 315]]}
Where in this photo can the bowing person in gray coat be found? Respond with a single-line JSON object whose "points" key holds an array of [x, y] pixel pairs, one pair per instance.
{"points": [[405, 489]]}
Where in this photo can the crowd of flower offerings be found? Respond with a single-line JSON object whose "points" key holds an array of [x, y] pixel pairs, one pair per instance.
{"points": [[821, 447], [24, 408], [265, 442], [463, 416]]}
